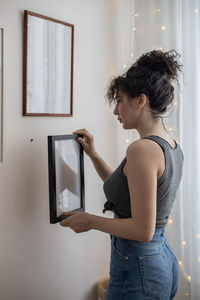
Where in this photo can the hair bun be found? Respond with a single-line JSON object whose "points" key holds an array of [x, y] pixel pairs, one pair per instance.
{"points": [[166, 63]]}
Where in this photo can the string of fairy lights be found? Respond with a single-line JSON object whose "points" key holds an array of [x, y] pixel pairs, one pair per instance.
{"points": [[175, 104]]}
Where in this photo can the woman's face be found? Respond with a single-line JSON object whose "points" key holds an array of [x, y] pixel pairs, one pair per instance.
{"points": [[127, 110]]}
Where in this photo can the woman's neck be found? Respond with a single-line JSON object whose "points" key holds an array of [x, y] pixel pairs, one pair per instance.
{"points": [[155, 128]]}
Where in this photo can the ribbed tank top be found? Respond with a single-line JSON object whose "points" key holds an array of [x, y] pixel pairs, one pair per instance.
{"points": [[117, 192]]}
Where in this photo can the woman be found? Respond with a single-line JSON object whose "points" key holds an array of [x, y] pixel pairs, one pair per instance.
{"points": [[142, 190]]}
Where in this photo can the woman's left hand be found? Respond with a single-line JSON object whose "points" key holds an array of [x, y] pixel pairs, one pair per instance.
{"points": [[77, 221]]}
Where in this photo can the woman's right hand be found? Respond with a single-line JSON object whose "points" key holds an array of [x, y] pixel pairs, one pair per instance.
{"points": [[87, 141]]}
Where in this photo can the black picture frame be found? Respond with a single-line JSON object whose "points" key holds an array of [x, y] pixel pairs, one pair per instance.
{"points": [[66, 176]]}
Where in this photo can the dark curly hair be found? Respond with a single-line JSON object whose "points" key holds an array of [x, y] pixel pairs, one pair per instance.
{"points": [[152, 74]]}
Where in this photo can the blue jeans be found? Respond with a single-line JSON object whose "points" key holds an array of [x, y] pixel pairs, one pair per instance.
{"points": [[142, 270]]}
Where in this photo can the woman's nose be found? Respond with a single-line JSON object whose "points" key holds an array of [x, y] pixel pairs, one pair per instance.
{"points": [[115, 112]]}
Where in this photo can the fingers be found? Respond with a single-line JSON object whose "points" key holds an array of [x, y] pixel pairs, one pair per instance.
{"points": [[86, 137], [64, 223], [68, 222], [84, 132], [69, 213], [82, 142], [87, 141], [80, 130]]}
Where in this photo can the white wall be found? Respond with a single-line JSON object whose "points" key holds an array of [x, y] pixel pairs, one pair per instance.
{"points": [[39, 261]]}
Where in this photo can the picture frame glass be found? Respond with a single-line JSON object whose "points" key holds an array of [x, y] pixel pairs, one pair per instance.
{"points": [[68, 185]]}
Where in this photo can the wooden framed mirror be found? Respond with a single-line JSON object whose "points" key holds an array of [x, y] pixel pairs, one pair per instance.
{"points": [[47, 66]]}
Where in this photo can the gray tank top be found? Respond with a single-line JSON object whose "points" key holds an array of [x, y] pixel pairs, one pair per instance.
{"points": [[117, 192]]}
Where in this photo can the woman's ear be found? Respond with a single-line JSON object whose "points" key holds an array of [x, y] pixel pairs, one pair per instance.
{"points": [[142, 99]]}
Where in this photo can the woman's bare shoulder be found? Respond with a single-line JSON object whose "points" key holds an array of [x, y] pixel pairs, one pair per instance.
{"points": [[146, 145], [147, 152]]}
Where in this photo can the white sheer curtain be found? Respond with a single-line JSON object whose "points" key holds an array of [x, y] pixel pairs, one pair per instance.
{"points": [[166, 25]]}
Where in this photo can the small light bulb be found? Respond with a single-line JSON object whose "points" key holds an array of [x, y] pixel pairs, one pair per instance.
{"points": [[124, 66], [136, 15], [133, 28], [198, 235], [155, 11], [184, 243], [171, 129], [170, 221], [131, 54], [163, 27], [180, 263], [127, 141], [159, 48], [196, 10], [189, 278], [199, 258], [186, 294]]}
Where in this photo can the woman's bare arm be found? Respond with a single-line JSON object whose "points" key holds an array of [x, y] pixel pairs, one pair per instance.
{"points": [[87, 141], [142, 168], [101, 166]]}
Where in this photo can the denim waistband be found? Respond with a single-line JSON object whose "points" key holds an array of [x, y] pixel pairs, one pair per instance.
{"points": [[157, 243], [159, 235]]}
